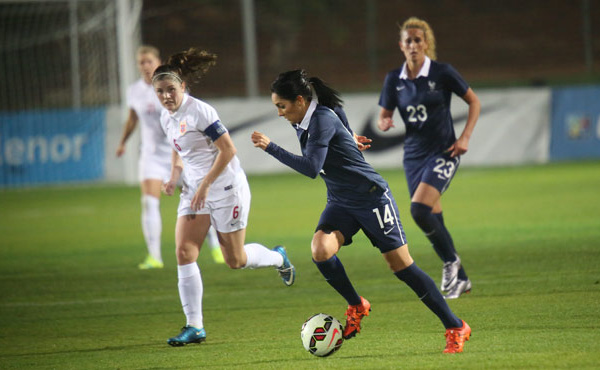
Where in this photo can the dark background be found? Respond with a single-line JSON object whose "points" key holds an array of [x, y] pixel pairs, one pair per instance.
{"points": [[352, 44]]}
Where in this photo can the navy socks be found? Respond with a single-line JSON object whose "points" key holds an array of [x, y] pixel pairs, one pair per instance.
{"points": [[335, 275], [428, 293], [413, 276], [462, 275], [435, 231]]}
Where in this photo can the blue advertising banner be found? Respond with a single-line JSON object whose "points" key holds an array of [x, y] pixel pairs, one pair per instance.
{"points": [[54, 146], [575, 123]]}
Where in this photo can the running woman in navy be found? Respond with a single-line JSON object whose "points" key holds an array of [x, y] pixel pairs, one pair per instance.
{"points": [[357, 198], [421, 90]]}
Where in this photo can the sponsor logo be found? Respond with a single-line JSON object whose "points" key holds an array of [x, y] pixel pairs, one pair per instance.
{"points": [[579, 127], [335, 332]]}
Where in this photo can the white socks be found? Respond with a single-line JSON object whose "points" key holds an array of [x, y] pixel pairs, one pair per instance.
{"points": [[190, 280], [152, 225], [190, 293], [213, 239], [261, 256]]}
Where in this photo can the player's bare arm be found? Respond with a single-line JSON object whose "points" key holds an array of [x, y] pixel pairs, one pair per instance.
{"points": [[461, 145], [385, 121], [226, 152], [168, 188], [130, 125]]}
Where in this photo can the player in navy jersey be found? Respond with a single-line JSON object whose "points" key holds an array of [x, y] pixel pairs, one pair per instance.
{"points": [[421, 90], [357, 198]]}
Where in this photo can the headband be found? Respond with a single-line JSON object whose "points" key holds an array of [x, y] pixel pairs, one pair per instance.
{"points": [[170, 74]]}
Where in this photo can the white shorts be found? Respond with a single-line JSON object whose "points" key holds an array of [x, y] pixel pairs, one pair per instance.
{"points": [[154, 167], [226, 215]]}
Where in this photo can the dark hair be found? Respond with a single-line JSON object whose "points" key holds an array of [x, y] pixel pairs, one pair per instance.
{"points": [[189, 65], [291, 84]]}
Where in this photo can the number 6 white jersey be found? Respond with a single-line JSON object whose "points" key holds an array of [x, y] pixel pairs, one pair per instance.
{"points": [[191, 131]]}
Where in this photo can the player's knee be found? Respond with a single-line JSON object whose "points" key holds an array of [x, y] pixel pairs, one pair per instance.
{"points": [[322, 249], [420, 213], [398, 259], [319, 255], [187, 252], [235, 263]]}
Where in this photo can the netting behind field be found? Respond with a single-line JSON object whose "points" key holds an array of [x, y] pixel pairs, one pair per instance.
{"points": [[58, 54], [59, 68]]}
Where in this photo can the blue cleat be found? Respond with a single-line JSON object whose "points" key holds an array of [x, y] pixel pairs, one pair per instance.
{"points": [[189, 334], [287, 270]]}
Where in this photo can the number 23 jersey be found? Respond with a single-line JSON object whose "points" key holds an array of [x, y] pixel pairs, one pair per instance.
{"points": [[191, 131], [424, 105]]}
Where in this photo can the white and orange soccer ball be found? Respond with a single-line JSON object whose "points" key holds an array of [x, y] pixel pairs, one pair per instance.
{"points": [[322, 335]]}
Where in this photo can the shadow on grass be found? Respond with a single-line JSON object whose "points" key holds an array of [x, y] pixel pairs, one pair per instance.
{"points": [[88, 350]]}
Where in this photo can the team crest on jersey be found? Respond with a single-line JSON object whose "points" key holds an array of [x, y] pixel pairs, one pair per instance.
{"points": [[182, 127], [431, 85]]}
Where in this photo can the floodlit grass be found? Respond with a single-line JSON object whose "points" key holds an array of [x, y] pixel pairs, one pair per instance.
{"points": [[71, 296]]}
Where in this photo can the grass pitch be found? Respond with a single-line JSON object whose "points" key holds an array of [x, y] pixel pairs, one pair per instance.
{"points": [[71, 296]]}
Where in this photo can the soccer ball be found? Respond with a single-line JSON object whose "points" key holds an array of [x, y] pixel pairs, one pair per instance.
{"points": [[322, 335]]}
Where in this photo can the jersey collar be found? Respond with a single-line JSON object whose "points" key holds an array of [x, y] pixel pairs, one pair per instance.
{"points": [[309, 112], [424, 72], [183, 101]]}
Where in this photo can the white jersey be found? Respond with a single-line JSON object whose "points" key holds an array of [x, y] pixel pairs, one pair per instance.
{"points": [[143, 100], [185, 130]]}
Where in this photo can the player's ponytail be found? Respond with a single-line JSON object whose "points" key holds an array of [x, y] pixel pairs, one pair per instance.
{"points": [[189, 66], [192, 64], [291, 84], [327, 96]]}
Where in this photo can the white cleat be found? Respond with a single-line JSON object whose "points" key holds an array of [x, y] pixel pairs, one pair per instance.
{"points": [[462, 286], [450, 275]]}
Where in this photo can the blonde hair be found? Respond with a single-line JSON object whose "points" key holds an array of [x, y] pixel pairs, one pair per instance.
{"points": [[147, 49], [414, 22]]}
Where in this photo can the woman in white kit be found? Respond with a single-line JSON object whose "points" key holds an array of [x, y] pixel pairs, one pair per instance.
{"points": [[155, 156], [215, 190]]}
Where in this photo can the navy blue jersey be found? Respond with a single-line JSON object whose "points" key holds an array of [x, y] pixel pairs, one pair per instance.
{"points": [[424, 105], [328, 148]]}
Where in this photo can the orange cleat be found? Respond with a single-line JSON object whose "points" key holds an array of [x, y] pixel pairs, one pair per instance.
{"points": [[353, 316], [456, 337]]}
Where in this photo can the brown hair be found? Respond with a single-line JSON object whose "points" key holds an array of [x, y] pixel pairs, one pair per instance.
{"points": [[414, 22], [190, 65]]}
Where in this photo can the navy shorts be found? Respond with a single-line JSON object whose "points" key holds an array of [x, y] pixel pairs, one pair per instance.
{"points": [[380, 222], [437, 171]]}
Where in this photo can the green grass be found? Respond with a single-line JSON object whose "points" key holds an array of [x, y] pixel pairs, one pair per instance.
{"points": [[71, 296]]}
